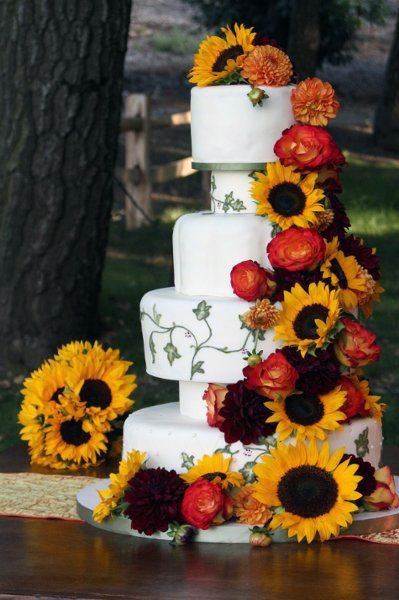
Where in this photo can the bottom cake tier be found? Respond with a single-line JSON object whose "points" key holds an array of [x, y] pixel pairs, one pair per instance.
{"points": [[170, 439]]}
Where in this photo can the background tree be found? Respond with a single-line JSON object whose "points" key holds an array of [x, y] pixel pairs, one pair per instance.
{"points": [[339, 20], [304, 37], [61, 72], [387, 114]]}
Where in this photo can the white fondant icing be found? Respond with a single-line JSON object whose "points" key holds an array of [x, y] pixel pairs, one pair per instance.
{"points": [[164, 433], [226, 128], [197, 338], [206, 247], [191, 401], [230, 192]]}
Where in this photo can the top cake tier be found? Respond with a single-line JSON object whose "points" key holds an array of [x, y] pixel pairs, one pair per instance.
{"points": [[228, 133]]}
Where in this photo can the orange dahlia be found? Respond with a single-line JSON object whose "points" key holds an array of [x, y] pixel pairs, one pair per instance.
{"points": [[267, 65], [263, 315], [248, 509], [314, 102]]}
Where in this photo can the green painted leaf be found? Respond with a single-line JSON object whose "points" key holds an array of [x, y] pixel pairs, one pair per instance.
{"points": [[213, 183], [362, 443], [197, 368], [172, 352], [202, 311], [247, 471], [156, 316], [187, 460], [152, 348]]}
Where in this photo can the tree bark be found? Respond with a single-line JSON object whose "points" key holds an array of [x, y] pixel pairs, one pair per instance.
{"points": [[61, 75], [304, 37], [386, 127]]}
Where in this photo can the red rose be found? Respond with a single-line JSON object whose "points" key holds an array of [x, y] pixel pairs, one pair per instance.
{"points": [[307, 147], [384, 496], [250, 281], [296, 249], [354, 403], [214, 397], [355, 345], [205, 503], [273, 378]]}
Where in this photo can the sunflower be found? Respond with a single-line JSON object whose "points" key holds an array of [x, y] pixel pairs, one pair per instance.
{"points": [[286, 197], [309, 317], [69, 351], [102, 384], [112, 495], [45, 386], [72, 441], [214, 468], [307, 415], [313, 491], [345, 274], [217, 57]]}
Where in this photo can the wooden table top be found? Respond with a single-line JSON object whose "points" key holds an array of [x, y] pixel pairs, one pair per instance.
{"points": [[60, 559]]}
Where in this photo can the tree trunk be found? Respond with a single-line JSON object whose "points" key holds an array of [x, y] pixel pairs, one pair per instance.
{"points": [[386, 128], [61, 74], [304, 38]]}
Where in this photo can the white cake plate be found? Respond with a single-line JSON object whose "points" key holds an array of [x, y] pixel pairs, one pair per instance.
{"points": [[229, 533]]}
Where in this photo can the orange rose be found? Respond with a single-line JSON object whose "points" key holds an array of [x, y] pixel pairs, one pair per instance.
{"points": [[250, 281], [273, 378], [355, 345], [354, 403], [214, 397], [384, 496], [205, 503], [314, 102], [296, 249], [307, 147]]}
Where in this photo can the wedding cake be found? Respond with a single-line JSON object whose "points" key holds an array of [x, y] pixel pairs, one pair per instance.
{"points": [[263, 329]]}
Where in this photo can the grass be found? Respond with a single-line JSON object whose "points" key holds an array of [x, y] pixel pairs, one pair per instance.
{"points": [[140, 261], [175, 41]]}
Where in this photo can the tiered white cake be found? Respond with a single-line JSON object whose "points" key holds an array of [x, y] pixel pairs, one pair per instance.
{"points": [[192, 332]]}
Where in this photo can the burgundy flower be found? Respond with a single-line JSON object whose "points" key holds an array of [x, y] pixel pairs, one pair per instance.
{"points": [[154, 499], [285, 280], [262, 40], [368, 484], [353, 246], [340, 222], [244, 414], [317, 374]]}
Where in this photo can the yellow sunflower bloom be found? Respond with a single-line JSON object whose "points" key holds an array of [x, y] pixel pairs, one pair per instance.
{"points": [[101, 384], [214, 468], [73, 442], [313, 490], [286, 197], [111, 496], [345, 274], [217, 57], [69, 351], [308, 317], [308, 416]]}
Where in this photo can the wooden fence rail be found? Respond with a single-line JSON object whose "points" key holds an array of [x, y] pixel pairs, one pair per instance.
{"points": [[137, 174]]}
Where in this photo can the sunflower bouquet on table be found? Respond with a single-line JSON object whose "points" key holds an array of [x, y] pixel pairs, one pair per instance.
{"points": [[74, 405]]}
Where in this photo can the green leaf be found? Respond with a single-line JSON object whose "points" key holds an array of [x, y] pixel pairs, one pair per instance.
{"points": [[202, 310], [187, 460], [172, 352], [362, 443], [197, 368]]}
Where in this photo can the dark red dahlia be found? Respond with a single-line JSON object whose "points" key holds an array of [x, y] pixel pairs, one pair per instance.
{"points": [[244, 413], [262, 40], [340, 222], [154, 498], [317, 374], [368, 484], [285, 280], [353, 246]]}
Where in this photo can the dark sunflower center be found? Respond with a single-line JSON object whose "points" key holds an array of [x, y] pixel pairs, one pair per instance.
{"points": [[307, 491], [287, 199], [96, 392], [304, 409], [56, 396], [221, 61], [72, 433], [305, 322], [212, 476], [339, 273]]}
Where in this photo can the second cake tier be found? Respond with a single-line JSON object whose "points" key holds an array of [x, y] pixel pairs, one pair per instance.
{"points": [[198, 338]]}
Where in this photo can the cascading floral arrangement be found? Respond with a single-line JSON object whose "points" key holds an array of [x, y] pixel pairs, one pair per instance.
{"points": [[323, 280], [74, 406]]}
